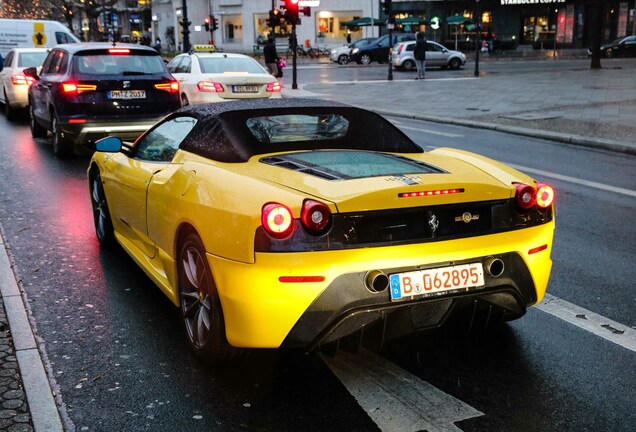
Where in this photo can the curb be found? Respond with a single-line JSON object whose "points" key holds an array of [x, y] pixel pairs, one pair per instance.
{"points": [[44, 413]]}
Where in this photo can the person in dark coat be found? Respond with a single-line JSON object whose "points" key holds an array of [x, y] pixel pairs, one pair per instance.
{"points": [[271, 57], [419, 53]]}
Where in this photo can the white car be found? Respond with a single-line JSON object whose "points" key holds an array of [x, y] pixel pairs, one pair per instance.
{"points": [[218, 77], [15, 85], [340, 55], [436, 55]]}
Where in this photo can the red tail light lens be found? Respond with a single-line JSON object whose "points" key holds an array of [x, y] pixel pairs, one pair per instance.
{"points": [[119, 51], [209, 86], [171, 87], [71, 88], [274, 87], [545, 195], [277, 220], [315, 216], [526, 196], [21, 79], [400, 47]]}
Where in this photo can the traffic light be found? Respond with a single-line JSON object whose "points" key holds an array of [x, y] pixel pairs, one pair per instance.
{"points": [[274, 18], [387, 7], [306, 11], [291, 11], [206, 23], [215, 23]]}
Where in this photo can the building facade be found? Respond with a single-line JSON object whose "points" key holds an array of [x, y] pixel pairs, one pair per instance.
{"points": [[242, 24]]}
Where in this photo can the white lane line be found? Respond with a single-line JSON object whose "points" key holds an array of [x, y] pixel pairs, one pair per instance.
{"points": [[590, 321], [429, 131], [575, 180], [394, 399]]}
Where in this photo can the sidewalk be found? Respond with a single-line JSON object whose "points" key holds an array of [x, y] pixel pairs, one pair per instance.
{"points": [[577, 106]]}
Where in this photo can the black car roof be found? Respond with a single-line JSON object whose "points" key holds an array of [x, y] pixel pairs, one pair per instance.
{"points": [[73, 48], [221, 132]]}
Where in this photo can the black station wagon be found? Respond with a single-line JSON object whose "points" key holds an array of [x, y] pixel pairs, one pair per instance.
{"points": [[88, 91]]}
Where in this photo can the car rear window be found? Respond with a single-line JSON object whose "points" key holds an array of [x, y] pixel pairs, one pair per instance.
{"points": [[118, 64], [294, 128], [31, 59], [229, 65]]}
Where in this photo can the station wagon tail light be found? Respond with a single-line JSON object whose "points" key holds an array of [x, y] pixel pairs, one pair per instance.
{"points": [[71, 88], [400, 48], [526, 196], [119, 51], [315, 216], [277, 220], [273, 87], [171, 87], [545, 195], [210, 86], [21, 79]]}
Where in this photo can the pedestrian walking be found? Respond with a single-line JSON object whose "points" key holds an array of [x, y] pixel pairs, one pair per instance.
{"points": [[271, 57], [419, 52]]}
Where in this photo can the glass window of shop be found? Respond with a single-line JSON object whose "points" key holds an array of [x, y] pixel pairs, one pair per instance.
{"points": [[330, 28], [232, 26]]}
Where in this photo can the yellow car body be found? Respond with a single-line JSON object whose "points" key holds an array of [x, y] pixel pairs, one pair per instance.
{"points": [[304, 290]]}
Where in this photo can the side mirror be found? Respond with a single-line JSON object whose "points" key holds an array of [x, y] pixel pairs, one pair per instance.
{"points": [[31, 72], [111, 144]]}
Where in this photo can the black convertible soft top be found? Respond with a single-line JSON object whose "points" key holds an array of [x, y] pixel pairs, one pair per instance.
{"points": [[222, 131]]}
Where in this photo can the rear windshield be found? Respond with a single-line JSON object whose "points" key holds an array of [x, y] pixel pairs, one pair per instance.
{"points": [[230, 65], [31, 59], [294, 127], [111, 64]]}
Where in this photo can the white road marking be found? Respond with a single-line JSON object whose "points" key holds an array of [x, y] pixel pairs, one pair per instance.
{"points": [[590, 321], [365, 82], [394, 399], [446, 134], [575, 180]]}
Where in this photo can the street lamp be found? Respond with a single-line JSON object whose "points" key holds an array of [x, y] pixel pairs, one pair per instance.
{"points": [[186, 26]]}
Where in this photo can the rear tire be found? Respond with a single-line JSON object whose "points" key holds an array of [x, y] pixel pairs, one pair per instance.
{"points": [[61, 145], [343, 59], [37, 131], [200, 307], [408, 65], [9, 111], [184, 100], [454, 63]]}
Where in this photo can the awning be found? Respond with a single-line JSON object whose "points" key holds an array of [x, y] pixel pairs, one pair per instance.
{"points": [[410, 21], [458, 20], [362, 22]]}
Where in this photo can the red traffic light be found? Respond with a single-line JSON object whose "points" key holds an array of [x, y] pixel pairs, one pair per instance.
{"points": [[206, 20]]}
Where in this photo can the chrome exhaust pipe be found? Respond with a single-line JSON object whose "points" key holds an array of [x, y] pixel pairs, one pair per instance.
{"points": [[376, 281], [494, 266]]}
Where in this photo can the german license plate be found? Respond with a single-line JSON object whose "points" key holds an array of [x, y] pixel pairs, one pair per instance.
{"points": [[436, 280], [127, 94], [245, 89]]}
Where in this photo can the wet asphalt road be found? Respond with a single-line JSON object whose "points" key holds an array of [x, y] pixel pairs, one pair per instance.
{"points": [[116, 350]]}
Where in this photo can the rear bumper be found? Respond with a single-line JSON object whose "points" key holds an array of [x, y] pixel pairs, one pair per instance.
{"points": [[260, 311], [92, 130], [18, 96]]}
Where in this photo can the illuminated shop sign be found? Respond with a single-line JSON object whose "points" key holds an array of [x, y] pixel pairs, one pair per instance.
{"points": [[309, 3], [525, 2]]}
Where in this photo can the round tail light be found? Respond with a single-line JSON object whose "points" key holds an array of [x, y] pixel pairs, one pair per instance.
{"points": [[526, 196], [545, 195], [277, 220], [315, 216]]}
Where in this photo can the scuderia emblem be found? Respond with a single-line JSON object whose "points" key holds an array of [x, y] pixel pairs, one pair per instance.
{"points": [[467, 217]]}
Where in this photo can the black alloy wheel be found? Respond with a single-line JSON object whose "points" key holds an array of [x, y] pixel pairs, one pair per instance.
{"points": [[61, 146], [200, 307], [101, 216], [343, 59], [37, 131]]}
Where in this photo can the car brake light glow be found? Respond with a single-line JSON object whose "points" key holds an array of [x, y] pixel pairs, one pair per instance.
{"points": [[545, 195], [526, 196], [171, 87], [277, 220], [301, 279], [274, 87], [400, 48], [430, 193], [315, 216], [209, 86], [71, 88], [21, 79], [119, 51]]}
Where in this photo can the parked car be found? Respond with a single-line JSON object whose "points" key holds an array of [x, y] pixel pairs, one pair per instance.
{"points": [[15, 84], [295, 223], [378, 50], [218, 77], [436, 55], [623, 47], [340, 55], [27, 33], [88, 91]]}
